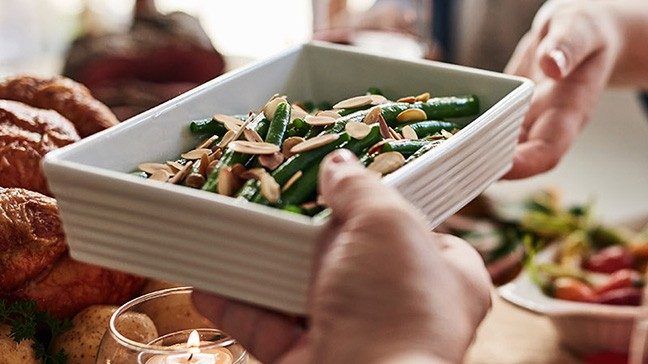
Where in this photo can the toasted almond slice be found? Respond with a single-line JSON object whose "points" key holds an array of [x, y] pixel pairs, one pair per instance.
{"points": [[175, 165], [314, 143], [228, 183], [353, 102], [330, 113], [435, 136], [378, 146], [238, 133], [387, 162], [229, 125], [372, 115], [409, 132], [270, 108], [239, 170], [395, 134], [408, 99], [178, 177], [254, 173], [378, 99], [160, 175], [270, 188], [319, 120], [291, 180], [252, 135], [271, 161], [246, 147], [195, 154], [204, 163], [227, 138], [357, 130], [309, 205], [208, 142], [211, 166], [297, 112], [195, 180], [446, 134], [423, 97], [224, 119], [288, 144], [150, 168], [384, 128], [411, 115], [216, 155]]}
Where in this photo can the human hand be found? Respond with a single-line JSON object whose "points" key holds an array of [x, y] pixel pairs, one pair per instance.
{"points": [[386, 288], [570, 52]]}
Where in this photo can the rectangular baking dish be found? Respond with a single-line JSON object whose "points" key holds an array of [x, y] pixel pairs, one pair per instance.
{"points": [[246, 251]]}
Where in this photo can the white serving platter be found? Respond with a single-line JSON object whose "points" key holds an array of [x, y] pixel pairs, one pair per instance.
{"points": [[251, 252]]}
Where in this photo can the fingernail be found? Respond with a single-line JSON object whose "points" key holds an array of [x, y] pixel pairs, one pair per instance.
{"points": [[559, 57], [342, 156]]}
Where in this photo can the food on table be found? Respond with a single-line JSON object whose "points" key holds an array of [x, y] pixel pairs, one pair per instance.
{"points": [[12, 352], [81, 341], [173, 313], [70, 99], [272, 157], [26, 135]]}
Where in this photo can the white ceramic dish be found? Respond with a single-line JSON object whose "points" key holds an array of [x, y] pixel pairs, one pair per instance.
{"points": [[247, 251], [581, 327]]}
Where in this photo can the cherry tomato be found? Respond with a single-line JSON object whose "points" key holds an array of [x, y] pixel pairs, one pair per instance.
{"points": [[609, 260], [625, 278], [622, 296], [573, 290]]}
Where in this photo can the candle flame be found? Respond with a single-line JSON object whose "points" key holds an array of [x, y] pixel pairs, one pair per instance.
{"points": [[194, 340]]}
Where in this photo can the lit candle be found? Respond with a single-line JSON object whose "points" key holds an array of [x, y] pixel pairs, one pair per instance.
{"points": [[194, 355]]}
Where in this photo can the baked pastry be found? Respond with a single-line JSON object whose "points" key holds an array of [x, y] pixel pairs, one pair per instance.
{"points": [[26, 135], [68, 98]]}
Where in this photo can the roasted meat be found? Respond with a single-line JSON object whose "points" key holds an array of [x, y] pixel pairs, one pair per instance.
{"points": [[31, 237], [68, 98], [26, 135]]}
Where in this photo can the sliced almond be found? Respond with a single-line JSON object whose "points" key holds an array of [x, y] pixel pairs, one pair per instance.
{"points": [[246, 147], [435, 136], [271, 161], [411, 115], [297, 112], [208, 142], [252, 135], [409, 132], [227, 138], [395, 134], [228, 183], [216, 155], [378, 99], [384, 128], [195, 180], [160, 175], [270, 108], [357, 130], [446, 134], [270, 188], [151, 168], [224, 119], [196, 153], [309, 205], [319, 120], [178, 177], [229, 125], [204, 163], [387, 162], [353, 102], [211, 166], [408, 99], [314, 143], [254, 173], [372, 115], [239, 170], [378, 146], [330, 113], [423, 97], [175, 165], [292, 180], [288, 144]]}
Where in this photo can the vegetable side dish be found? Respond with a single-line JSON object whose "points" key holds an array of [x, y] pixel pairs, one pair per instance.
{"points": [[272, 157]]}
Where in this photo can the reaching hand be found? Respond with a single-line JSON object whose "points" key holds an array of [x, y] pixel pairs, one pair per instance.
{"points": [[386, 288]]}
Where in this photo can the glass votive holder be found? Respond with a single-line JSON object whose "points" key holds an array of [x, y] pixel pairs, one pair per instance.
{"points": [[132, 338]]}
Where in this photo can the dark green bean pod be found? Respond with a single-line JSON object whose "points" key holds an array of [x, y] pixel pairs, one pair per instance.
{"points": [[358, 146], [279, 124], [303, 189], [426, 148], [429, 127], [366, 159], [207, 127], [404, 147], [298, 128]]}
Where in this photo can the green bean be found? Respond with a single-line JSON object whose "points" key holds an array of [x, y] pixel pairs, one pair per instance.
{"points": [[357, 146], [375, 91], [303, 189], [207, 126], [139, 174], [366, 159], [424, 149], [278, 125], [404, 147], [293, 208], [429, 127]]}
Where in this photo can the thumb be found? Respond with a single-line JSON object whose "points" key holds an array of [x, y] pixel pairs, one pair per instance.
{"points": [[571, 38], [350, 189]]}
